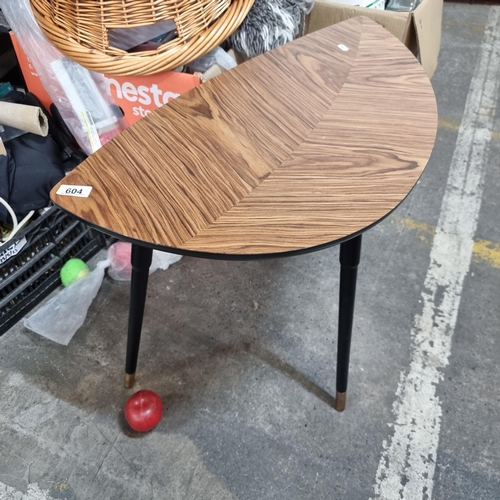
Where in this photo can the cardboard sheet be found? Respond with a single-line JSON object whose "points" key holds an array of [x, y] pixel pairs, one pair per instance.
{"points": [[419, 30]]}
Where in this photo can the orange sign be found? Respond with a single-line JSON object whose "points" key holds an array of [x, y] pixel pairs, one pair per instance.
{"points": [[137, 96]]}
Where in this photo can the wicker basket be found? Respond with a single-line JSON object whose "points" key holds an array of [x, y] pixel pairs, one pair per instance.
{"points": [[79, 29]]}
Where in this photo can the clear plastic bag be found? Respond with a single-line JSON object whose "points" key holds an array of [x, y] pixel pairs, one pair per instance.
{"points": [[126, 38], [120, 268], [64, 314], [215, 56], [82, 97]]}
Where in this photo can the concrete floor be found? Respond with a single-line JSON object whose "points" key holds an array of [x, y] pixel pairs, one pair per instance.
{"points": [[242, 354]]}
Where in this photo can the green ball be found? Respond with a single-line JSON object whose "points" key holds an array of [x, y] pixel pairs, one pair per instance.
{"points": [[73, 270]]}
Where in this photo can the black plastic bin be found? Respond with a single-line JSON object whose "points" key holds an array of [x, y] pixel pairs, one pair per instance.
{"points": [[30, 263]]}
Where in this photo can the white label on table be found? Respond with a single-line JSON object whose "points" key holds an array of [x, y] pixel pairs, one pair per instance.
{"points": [[343, 47], [79, 191]]}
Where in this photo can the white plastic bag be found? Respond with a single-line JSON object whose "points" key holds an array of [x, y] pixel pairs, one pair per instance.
{"points": [[163, 260], [120, 267], [62, 315]]}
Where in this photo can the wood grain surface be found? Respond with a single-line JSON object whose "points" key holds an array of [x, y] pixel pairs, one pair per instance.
{"points": [[300, 147]]}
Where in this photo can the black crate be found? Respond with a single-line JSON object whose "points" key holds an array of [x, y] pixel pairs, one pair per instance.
{"points": [[30, 273]]}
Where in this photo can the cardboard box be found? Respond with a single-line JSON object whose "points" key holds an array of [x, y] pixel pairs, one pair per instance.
{"points": [[419, 30], [137, 96]]}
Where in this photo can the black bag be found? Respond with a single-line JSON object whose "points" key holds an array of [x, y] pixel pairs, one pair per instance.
{"points": [[34, 164], [31, 169], [7, 169]]}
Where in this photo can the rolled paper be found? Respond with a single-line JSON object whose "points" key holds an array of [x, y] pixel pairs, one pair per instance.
{"points": [[27, 118]]}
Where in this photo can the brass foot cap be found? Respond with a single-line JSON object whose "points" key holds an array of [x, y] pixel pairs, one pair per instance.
{"points": [[129, 380], [340, 401]]}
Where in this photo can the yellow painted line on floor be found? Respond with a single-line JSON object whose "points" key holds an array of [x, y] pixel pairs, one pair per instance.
{"points": [[449, 123], [487, 251], [484, 251], [478, 28], [453, 124], [424, 231]]}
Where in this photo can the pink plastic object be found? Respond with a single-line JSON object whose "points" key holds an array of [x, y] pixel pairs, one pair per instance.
{"points": [[120, 267]]}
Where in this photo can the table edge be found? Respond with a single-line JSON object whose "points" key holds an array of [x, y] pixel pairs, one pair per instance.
{"points": [[238, 256]]}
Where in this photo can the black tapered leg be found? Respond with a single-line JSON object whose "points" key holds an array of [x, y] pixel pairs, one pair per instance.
{"points": [[141, 261], [350, 253]]}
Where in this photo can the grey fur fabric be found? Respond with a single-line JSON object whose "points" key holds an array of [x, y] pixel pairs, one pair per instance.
{"points": [[269, 24]]}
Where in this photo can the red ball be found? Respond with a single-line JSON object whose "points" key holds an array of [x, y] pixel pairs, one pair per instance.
{"points": [[143, 410]]}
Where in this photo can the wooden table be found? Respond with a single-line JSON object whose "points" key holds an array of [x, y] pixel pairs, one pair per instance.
{"points": [[302, 148]]}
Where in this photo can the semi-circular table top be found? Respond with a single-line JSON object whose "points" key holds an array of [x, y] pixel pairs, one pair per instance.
{"points": [[300, 148]]}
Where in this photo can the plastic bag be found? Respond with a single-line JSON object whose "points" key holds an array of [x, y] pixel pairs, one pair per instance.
{"points": [[62, 315], [163, 260], [82, 97], [120, 267], [126, 38], [215, 56]]}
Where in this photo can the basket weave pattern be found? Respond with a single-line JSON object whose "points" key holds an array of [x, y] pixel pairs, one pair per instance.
{"points": [[79, 28]]}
